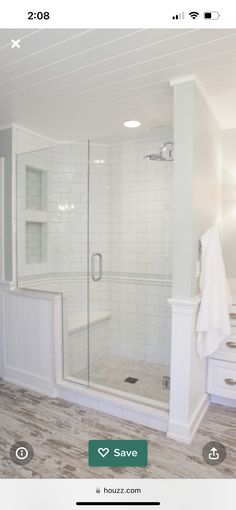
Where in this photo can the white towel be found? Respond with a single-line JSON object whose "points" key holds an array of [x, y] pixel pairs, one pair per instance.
{"points": [[213, 323]]}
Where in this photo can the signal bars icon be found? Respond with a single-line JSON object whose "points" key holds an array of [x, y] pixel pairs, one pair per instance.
{"points": [[179, 16]]}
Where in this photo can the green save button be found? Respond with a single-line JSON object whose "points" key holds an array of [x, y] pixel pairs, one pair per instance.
{"points": [[118, 453]]}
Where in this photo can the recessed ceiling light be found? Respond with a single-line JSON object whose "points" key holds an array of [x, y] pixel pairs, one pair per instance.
{"points": [[132, 123]]}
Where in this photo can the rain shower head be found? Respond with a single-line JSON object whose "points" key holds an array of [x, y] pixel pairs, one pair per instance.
{"points": [[166, 153]]}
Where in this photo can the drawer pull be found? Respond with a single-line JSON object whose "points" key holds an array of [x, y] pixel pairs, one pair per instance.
{"points": [[231, 344], [231, 382]]}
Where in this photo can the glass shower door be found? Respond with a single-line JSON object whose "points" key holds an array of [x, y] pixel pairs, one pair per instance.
{"points": [[130, 270]]}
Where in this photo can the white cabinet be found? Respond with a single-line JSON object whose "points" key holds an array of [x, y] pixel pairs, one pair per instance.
{"points": [[227, 350], [221, 377]]}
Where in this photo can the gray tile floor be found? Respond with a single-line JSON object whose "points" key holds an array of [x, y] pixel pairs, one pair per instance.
{"points": [[59, 433], [111, 371]]}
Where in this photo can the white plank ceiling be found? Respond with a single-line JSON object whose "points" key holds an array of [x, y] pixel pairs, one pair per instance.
{"points": [[79, 84]]}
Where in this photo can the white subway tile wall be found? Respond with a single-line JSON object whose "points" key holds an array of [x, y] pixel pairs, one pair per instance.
{"points": [[130, 224], [140, 242], [33, 242], [65, 172], [140, 209]]}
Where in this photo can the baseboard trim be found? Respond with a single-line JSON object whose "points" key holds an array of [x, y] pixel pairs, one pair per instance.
{"points": [[29, 381], [185, 432], [228, 402]]}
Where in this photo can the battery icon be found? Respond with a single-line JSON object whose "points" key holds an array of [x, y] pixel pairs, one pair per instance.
{"points": [[211, 15]]}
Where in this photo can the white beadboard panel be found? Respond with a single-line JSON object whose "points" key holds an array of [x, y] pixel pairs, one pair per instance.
{"points": [[113, 75], [29, 338], [31, 381]]}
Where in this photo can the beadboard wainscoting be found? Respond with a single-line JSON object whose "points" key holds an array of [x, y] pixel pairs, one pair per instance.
{"points": [[30, 331]]}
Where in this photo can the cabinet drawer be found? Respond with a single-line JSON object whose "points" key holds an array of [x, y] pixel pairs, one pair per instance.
{"points": [[227, 350], [221, 378]]}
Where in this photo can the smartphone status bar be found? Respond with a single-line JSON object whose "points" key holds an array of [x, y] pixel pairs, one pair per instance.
{"points": [[122, 14]]}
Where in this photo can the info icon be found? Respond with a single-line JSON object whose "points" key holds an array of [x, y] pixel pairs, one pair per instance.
{"points": [[21, 453], [214, 453]]}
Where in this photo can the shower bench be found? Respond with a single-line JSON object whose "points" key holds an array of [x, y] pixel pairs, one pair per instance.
{"points": [[86, 340]]}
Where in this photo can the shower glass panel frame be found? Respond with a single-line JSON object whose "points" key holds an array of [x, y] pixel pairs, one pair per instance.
{"points": [[52, 241]]}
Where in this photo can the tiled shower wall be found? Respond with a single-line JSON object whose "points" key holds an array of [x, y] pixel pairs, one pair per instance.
{"points": [[130, 224], [140, 233], [140, 209], [33, 242], [65, 211]]}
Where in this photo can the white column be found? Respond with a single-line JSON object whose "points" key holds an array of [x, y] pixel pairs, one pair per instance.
{"points": [[188, 399], [197, 171]]}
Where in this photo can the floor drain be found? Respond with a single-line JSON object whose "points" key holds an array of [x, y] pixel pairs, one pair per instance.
{"points": [[131, 380]]}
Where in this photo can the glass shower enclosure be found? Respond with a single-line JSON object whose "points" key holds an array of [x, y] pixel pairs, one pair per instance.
{"points": [[94, 225]]}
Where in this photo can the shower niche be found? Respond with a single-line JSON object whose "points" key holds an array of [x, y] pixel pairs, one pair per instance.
{"points": [[35, 189], [35, 215], [32, 216]]}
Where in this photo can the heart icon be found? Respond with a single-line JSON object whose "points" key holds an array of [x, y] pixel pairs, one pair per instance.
{"points": [[103, 451]]}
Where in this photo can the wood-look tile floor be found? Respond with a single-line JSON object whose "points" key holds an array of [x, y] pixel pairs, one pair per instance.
{"points": [[111, 371], [59, 432]]}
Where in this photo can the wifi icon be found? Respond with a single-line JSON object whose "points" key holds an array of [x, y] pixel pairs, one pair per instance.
{"points": [[194, 14]]}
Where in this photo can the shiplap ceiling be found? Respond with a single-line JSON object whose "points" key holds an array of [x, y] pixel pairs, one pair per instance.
{"points": [[79, 84]]}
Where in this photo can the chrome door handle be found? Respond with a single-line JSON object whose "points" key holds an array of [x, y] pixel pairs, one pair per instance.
{"points": [[231, 344], [231, 382], [93, 267]]}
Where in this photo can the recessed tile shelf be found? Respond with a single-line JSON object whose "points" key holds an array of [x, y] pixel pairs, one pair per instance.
{"points": [[35, 191], [35, 215]]}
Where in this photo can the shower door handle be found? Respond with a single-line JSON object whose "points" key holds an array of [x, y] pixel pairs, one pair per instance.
{"points": [[93, 266]]}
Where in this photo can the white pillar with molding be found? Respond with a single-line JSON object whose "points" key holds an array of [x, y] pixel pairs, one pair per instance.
{"points": [[197, 183]]}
